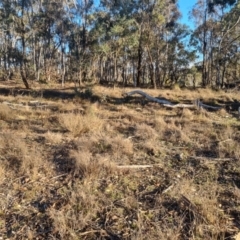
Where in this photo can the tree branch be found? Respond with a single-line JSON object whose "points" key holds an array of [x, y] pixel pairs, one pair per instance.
{"points": [[166, 103]]}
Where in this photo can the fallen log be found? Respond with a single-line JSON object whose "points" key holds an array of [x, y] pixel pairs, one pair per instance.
{"points": [[202, 105], [150, 98], [180, 105], [166, 103]]}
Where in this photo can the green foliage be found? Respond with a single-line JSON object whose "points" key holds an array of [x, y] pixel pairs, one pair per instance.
{"points": [[121, 40]]}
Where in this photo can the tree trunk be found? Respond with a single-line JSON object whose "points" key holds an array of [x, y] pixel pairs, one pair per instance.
{"points": [[223, 75], [204, 76], [23, 75], [139, 67], [152, 70], [63, 65], [23, 67], [115, 69]]}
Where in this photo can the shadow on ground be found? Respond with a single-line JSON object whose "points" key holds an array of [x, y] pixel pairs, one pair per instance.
{"points": [[87, 94]]}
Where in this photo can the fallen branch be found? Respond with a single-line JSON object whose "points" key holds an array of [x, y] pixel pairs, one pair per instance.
{"points": [[226, 140], [31, 104], [35, 103], [137, 166], [89, 232], [166, 103], [168, 188], [202, 105], [59, 176], [180, 105], [153, 99]]}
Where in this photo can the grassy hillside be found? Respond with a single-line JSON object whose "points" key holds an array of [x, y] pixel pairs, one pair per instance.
{"points": [[69, 166]]}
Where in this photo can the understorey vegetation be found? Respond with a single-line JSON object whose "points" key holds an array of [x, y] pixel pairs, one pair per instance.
{"points": [[96, 164]]}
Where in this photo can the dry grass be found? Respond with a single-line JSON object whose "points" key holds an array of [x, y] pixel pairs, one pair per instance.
{"points": [[54, 138], [6, 113], [144, 131], [60, 175], [79, 123], [2, 174]]}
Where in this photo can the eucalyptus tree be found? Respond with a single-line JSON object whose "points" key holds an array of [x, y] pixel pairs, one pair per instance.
{"points": [[228, 40], [180, 56], [153, 17], [50, 33], [165, 41], [113, 37], [202, 34], [22, 30], [80, 54], [15, 32], [214, 26], [233, 43], [34, 31], [128, 40], [7, 36], [135, 34]]}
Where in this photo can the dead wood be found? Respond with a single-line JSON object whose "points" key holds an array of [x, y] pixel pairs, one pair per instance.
{"points": [[137, 166], [150, 98], [180, 105], [31, 104], [202, 105], [166, 103]]}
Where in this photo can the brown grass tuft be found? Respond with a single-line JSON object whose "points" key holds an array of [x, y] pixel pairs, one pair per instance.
{"points": [[6, 113], [54, 138], [79, 124], [2, 174], [187, 114], [179, 176], [144, 131]]}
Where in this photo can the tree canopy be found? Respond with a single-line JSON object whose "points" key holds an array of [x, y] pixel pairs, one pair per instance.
{"points": [[138, 42]]}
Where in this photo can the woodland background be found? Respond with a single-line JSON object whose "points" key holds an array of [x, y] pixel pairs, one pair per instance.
{"points": [[136, 42]]}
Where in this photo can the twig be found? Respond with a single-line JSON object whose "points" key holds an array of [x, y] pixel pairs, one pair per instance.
{"points": [[180, 105], [213, 159], [226, 140], [168, 188], [62, 175], [137, 166], [89, 232]]}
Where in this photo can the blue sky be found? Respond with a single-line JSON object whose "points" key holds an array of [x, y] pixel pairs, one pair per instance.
{"points": [[185, 6]]}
